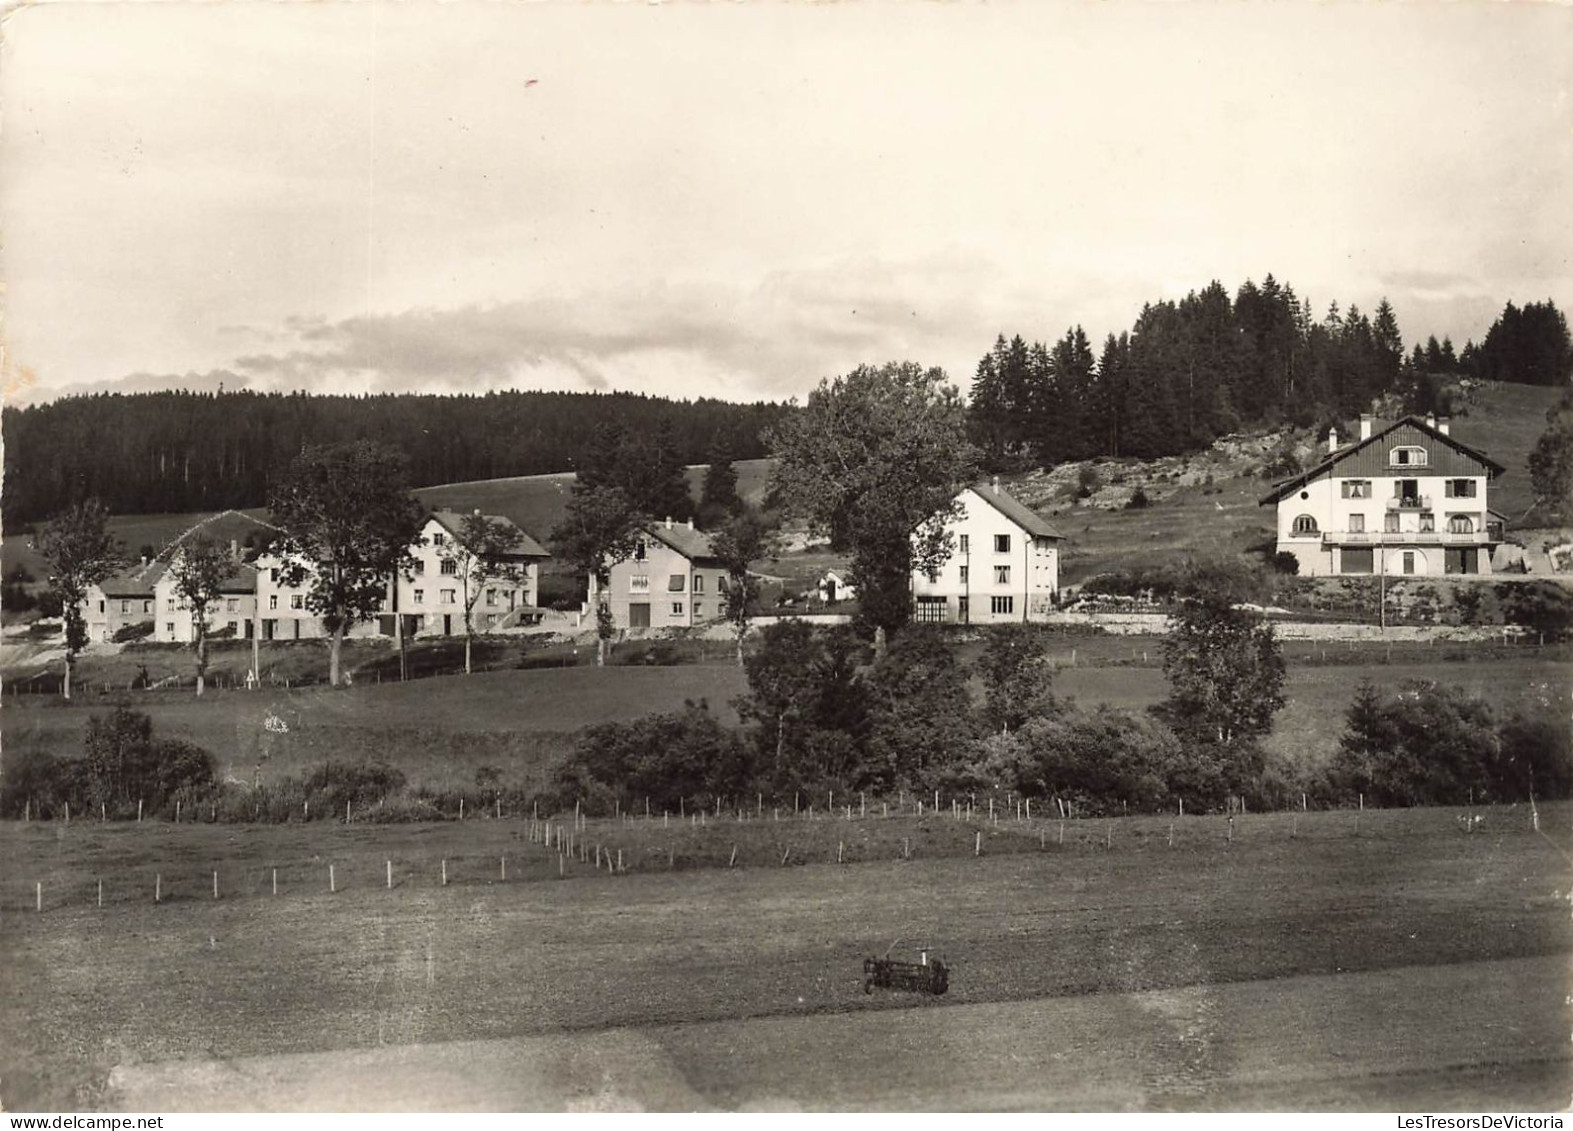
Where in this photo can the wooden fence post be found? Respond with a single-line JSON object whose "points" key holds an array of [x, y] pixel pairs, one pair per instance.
{"points": [[158, 887], [215, 883], [38, 895], [333, 884], [275, 881]]}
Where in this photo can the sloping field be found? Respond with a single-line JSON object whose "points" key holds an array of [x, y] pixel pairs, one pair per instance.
{"points": [[439, 730], [86, 991], [1414, 1038]]}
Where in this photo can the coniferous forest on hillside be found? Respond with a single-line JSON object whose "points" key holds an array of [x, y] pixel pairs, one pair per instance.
{"points": [[155, 453], [1186, 373]]}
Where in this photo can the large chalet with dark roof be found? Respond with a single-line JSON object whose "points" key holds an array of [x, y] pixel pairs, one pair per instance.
{"points": [[1407, 499]]}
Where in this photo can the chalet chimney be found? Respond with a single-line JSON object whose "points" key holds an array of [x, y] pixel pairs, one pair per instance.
{"points": [[669, 522], [1332, 440], [144, 561], [1430, 420], [1444, 425], [1365, 426], [994, 482], [690, 524], [477, 512], [234, 550]]}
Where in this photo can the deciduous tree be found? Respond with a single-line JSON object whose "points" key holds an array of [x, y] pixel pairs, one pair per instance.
{"points": [[349, 524], [80, 553], [484, 553], [599, 529], [200, 568], [877, 458]]}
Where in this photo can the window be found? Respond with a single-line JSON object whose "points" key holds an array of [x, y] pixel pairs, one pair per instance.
{"points": [[1357, 524], [930, 610], [234, 626], [169, 629], [450, 567], [699, 610], [1460, 524], [1002, 543], [964, 571], [1304, 524], [439, 539], [1409, 561], [699, 587], [147, 606], [677, 608], [966, 544], [297, 601], [1352, 560], [231, 605], [1407, 457], [491, 596], [639, 550], [675, 583], [419, 597], [1002, 575], [1002, 605], [450, 597], [1460, 489], [720, 583], [639, 584], [1390, 522], [101, 606], [418, 568], [273, 576], [125, 608], [1427, 523], [273, 600], [1357, 488]]}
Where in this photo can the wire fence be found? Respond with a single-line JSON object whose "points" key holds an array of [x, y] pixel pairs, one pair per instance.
{"points": [[531, 850]]}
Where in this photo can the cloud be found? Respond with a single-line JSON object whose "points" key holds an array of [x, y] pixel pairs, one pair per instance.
{"points": [[773, 339]]}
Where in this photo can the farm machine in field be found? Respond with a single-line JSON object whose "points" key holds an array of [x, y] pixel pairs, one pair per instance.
{"points": [[923, 976]]}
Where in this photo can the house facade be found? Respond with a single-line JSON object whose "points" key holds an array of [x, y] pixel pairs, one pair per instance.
{"points": [[1407, 499], [1004, 567], [431, 593], [672, 580], [232, 614], [129, 598]]}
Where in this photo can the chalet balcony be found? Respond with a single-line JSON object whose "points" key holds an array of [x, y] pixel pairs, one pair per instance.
{"points": [[1410, 503], [1404, 538]]}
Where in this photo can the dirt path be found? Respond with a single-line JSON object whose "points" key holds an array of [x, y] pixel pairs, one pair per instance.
{"points": [[1410, 1038]]}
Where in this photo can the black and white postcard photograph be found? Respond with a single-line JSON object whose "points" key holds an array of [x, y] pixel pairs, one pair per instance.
{"points": [[770, 556]]}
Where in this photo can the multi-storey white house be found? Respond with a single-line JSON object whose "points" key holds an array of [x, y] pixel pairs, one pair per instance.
{"points": [[673, 580], [431, 593], [1406, 499], [1004, 568], [231, 614]]}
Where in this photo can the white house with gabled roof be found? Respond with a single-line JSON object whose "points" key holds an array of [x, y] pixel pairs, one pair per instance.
{"points": [[1004, 566], [1408, 499]]}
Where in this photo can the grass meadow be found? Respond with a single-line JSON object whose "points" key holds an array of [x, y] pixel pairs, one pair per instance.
{"points": [[89, 993]]}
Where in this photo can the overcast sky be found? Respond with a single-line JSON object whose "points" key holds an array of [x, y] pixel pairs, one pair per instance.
{"points": [[738, 200]]}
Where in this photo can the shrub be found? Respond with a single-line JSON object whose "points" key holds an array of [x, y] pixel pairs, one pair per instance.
{"points": [[127, 633], [1286, 563], [39, 783], [685, 756], [336, 784], [1138, 500]]}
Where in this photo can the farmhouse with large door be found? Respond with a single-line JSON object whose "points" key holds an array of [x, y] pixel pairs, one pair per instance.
{"points": [[673, 580], [1004, 567], [1407, 499]]}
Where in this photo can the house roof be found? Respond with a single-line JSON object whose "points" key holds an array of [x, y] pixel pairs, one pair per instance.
{"points": [[523, 545], [1015, 510], [138, 581], [1285, 486], [218, 526], [692, 544]]}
